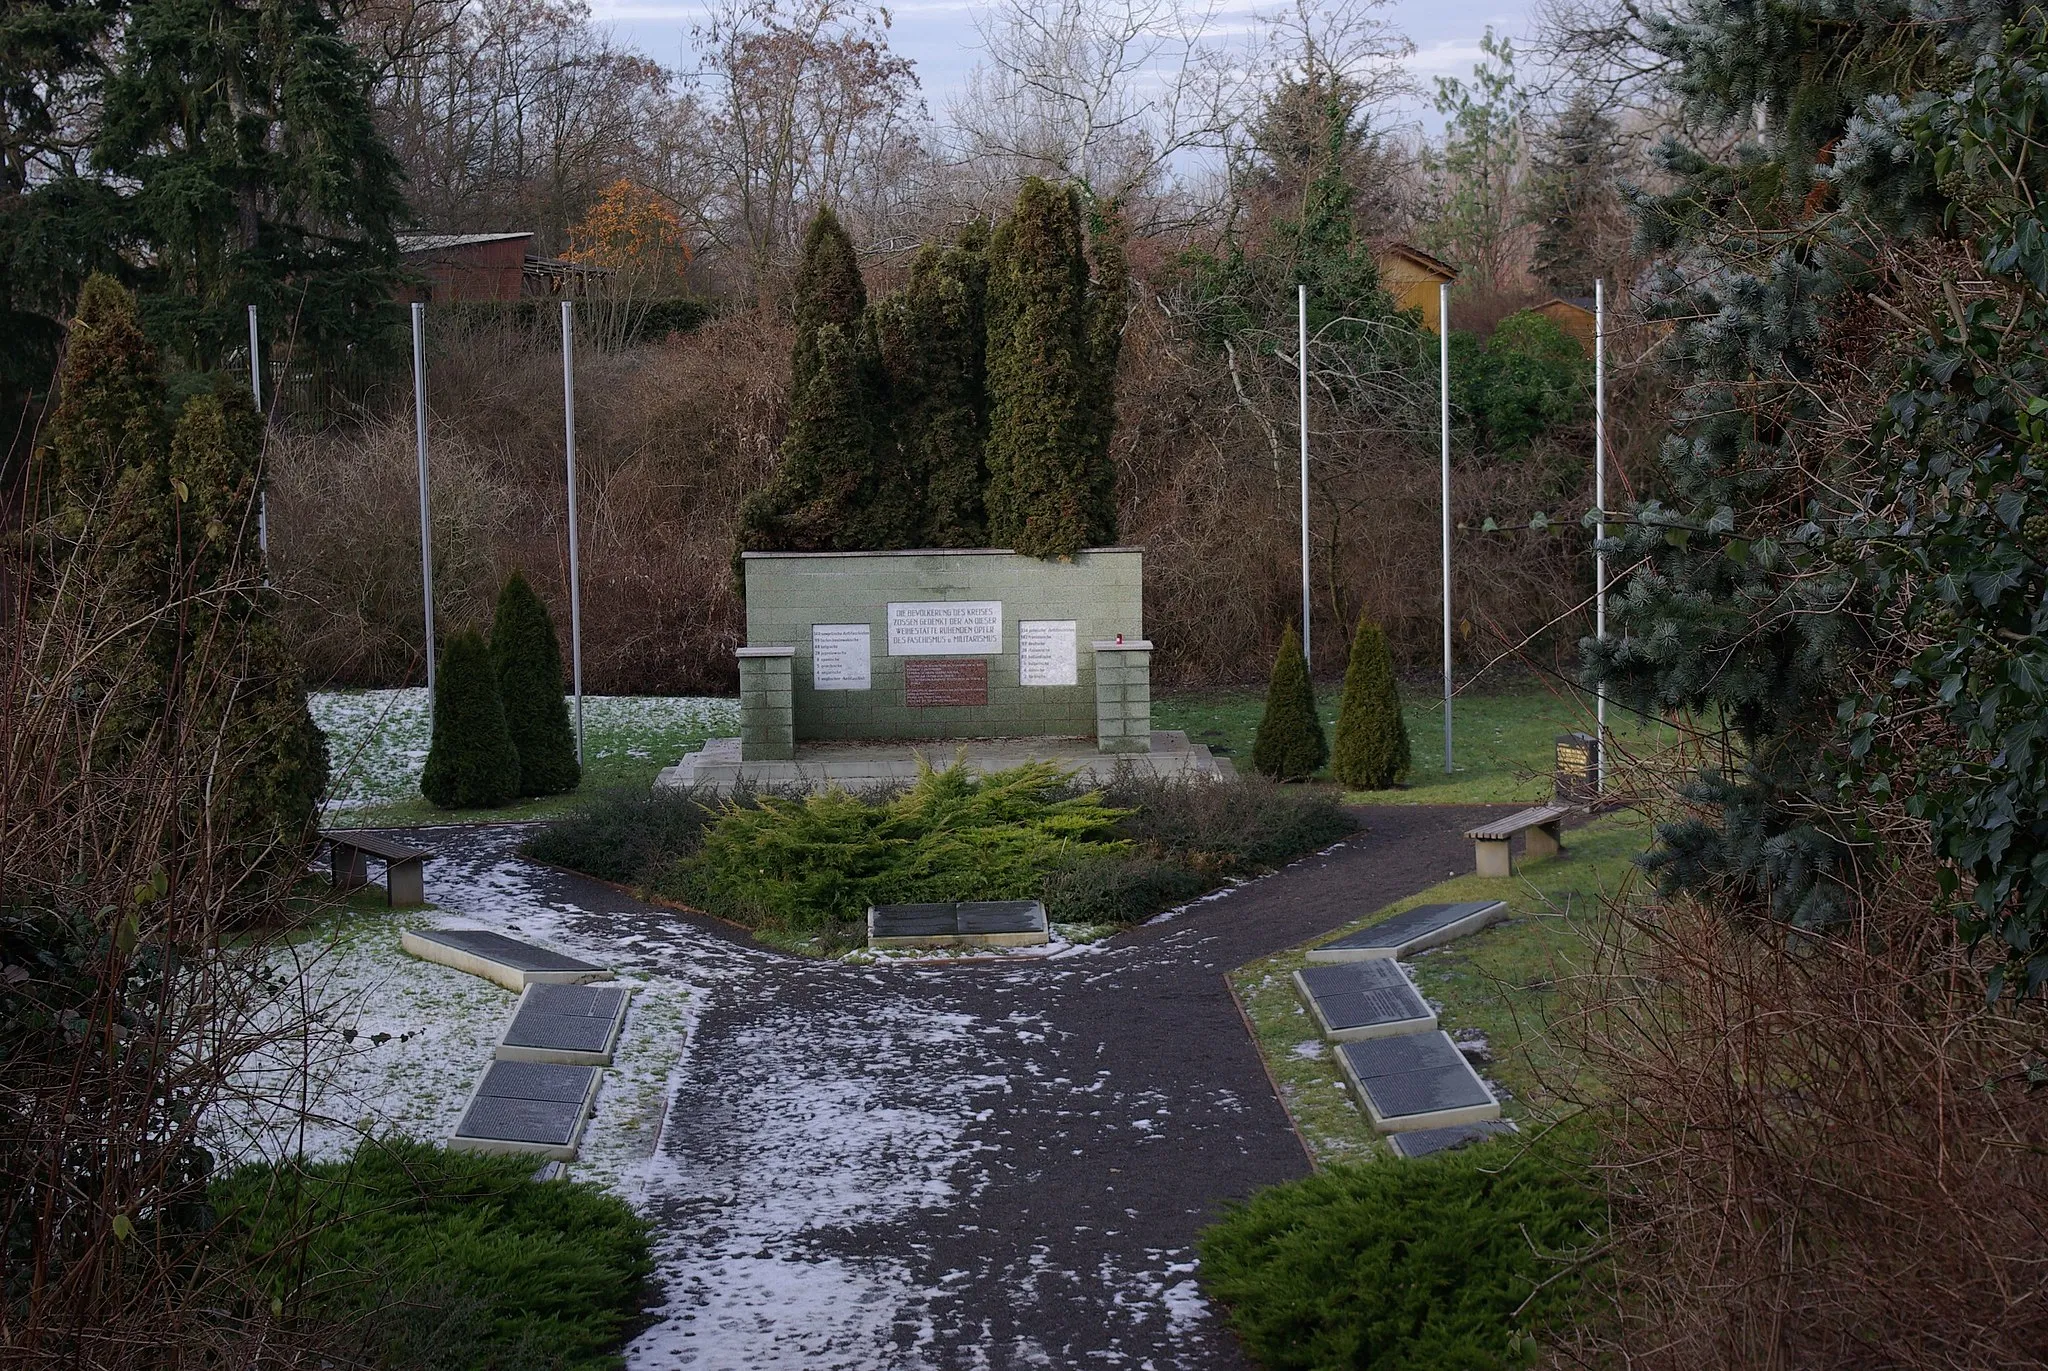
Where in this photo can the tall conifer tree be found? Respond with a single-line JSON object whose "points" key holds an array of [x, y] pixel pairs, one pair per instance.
{"points": [[528, 657], [1048, 411], [933, 338]]}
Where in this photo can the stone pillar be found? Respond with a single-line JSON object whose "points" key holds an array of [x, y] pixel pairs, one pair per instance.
{"points": [[1123, 696], [767, 704]]}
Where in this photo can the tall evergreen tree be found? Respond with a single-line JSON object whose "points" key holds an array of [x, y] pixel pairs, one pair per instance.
{"points": [[1573, 190], [933, 336], [471, 760], [1046, 447], [528, 656], [1290, 745], [1371, 751], [840, 483]]}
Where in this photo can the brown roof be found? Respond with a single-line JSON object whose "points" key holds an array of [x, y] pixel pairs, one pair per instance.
{"points": [[1434, 265]]}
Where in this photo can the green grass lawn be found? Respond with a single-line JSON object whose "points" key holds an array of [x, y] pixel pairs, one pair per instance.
{"points": [[1501, 981], [1503, 749]]}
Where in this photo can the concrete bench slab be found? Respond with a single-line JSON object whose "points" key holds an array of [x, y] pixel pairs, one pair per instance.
{"points": [[1491, 842], [1354, 1001], [572, 1025], [349, 854], [537, 1108], [1424, 1142], [970, 923], [1428, 925], [497, 958], [1415, 1082]]}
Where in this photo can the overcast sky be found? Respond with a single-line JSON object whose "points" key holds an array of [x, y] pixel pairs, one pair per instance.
{"points": [[939, 35]]}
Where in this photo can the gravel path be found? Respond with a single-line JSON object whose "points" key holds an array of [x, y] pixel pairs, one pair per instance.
{"points": [[977, 1166]]}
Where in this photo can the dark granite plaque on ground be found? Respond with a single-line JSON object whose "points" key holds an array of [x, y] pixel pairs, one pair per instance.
{"points": [[527, 1107], [495, 957], [1357, 1000], [1424, 926], [1424, 1142], [1417, 1081], [934, 682], [971, 923], [569, 1024]]}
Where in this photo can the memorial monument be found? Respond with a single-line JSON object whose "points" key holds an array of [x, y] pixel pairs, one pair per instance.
{"points": [[859, 663]]}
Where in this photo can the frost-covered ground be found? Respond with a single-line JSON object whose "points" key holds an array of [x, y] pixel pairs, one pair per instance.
{"points": [[890, 1167], [377, 739]]}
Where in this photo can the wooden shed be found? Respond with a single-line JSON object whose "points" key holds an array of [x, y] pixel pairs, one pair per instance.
{"points": [[1574, 315], [1412, 276], [468, 266]]}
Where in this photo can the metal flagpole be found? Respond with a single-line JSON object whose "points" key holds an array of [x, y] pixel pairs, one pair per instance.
{"points": [[419, 394], [575, 582], [1443, 320], [1600, 505], [256, 392], [1306, 656]]}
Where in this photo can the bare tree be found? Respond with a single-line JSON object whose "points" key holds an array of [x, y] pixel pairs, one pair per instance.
{"points": [[796, 104]]}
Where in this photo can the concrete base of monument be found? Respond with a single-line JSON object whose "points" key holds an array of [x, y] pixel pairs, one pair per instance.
{"points": [[865, 764]]}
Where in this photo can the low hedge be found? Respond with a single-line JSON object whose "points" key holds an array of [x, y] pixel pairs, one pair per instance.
{"points": [[1458, 1262], [412, 1256], [1115, 855]]}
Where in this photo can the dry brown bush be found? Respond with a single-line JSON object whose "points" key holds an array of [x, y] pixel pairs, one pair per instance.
{"points": [[1825, 1150]]}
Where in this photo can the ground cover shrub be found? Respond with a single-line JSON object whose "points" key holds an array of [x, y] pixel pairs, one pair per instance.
{"points": [[808, 863], [1371, 751], [471, 762], [1290, 745], [1120, 890], [419, 1257], [528, 658], [1449, 1263], [627, 835], [1230, 829]]}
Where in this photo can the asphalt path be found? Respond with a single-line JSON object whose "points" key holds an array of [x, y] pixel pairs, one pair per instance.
{"points": [[989, 1165]]}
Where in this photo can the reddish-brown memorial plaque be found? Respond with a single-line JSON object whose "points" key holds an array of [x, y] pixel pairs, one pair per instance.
{"points": [[945, 681]]}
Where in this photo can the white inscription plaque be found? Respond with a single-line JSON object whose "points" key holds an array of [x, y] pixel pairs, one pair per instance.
{"points": [[839, 657], [1045, 652], [946, 628]]}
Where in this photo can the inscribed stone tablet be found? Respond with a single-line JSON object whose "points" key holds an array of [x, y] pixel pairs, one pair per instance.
{"points": [[1045, 652], [939, 683], [946, 628], [839, 657]]}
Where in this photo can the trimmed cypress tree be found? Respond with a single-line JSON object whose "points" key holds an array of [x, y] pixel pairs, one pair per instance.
{"points": [[1042, 489], [932, 336], [528, 658], [838, 485], [1290, 745], [248, 691], [1371, 751], [471, 763], [1108, 303]]}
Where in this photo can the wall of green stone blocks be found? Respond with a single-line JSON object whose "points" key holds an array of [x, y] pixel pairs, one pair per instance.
{"points": [[1101, 590]]}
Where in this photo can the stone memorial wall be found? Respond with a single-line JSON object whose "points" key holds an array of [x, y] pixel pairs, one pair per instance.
{"points": [[942, 644]]}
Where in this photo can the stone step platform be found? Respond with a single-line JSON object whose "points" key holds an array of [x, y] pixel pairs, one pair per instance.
{"points": [[857, 765], [537, 1108], [570, 1025], [1429, 925], [1354, 1001], [497, 958], [1424, 1142], [1417, 1081], [968, 923]]}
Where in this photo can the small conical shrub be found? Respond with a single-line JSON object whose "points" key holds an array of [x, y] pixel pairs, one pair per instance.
{"points": [[528, 657], [1290, 745], [1372, 739], [471, 763]]}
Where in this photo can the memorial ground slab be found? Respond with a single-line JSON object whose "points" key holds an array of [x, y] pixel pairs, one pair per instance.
{"points": [[995, 1166]]}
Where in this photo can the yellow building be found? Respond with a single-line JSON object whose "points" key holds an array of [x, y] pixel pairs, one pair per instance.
{"points": [[1574, 316], [1412, 276]]}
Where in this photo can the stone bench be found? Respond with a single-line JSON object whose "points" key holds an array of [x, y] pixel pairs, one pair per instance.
{"points": [[349, 857], [1543, 824]]}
